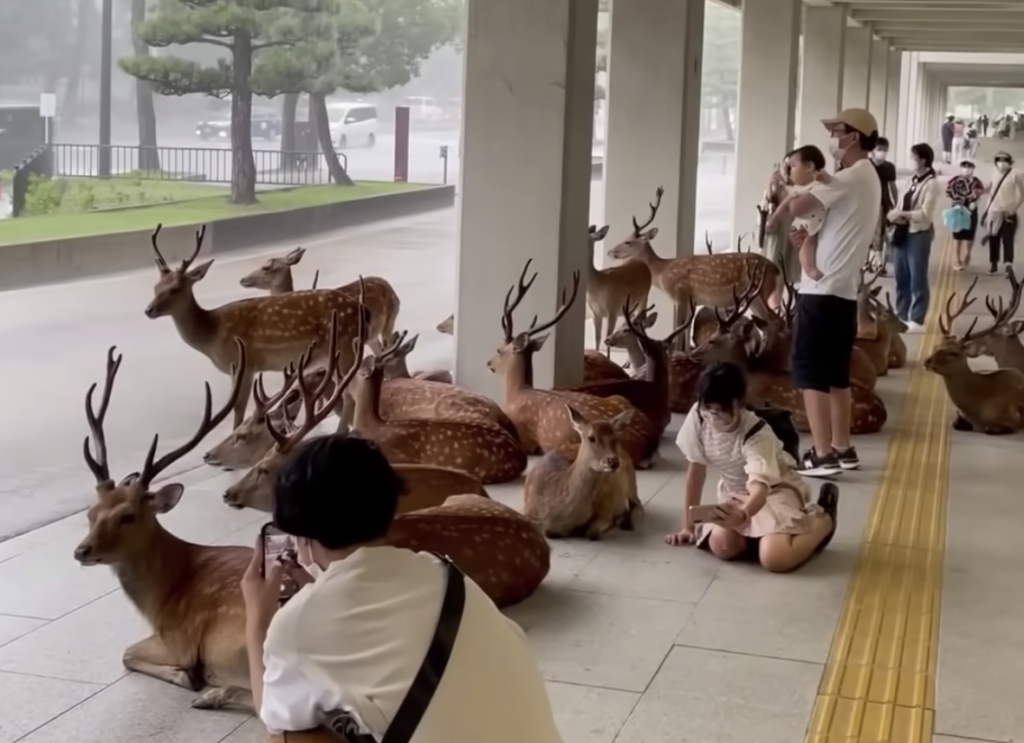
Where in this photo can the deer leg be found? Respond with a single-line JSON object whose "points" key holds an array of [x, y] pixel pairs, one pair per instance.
{"points": [[225, 697], [597, 528], [961, 424], [613, 320], [150, 657], [598, 330], [243, 397]]}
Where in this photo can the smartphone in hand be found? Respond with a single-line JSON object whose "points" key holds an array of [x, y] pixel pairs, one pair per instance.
{"points": [[710, 514], [279, 547]]}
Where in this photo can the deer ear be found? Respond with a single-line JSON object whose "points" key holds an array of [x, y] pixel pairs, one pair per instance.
{"points": [[166, 498], [1017, 327], [295, 256], [621, 421], [876, 291], [650, 319], [576, 417], [537, 342], [650, 234], [409, 346], [197, 273], [598, 235]]}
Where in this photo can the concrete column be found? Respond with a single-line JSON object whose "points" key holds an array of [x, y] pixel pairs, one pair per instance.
{"points": [[653, 126], [767, 100], [909, 106], [527, 131], [857, 67], [821, 73], [877, 91], [890, 127]]}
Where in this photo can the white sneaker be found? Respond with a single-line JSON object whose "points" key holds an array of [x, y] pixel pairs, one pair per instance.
{"points": [[913, 327]]}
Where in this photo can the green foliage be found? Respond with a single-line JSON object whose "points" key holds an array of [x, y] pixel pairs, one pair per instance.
{"points": [[993, 101], [78, 195], [721, 63], [44, 195]]}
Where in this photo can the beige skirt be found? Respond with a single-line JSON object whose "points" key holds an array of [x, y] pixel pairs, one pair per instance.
{"points": [[784, 512]]}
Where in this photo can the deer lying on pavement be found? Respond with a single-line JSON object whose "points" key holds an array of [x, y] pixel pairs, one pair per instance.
{"points": [[886, 316], [1002, 343], [397, 367], [991, 402], [596, 366], [481, 448], [609, 289], [683, 369], [874, 335], [590, 495], [540, 415]]}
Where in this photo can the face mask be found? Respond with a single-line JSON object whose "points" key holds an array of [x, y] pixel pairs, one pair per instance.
{"points": [[967, 172], [881, 155], [836, 150], [1002, 166], [305, 559]]}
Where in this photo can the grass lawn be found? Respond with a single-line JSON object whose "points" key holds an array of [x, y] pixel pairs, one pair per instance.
{"points": [[210, 209]]}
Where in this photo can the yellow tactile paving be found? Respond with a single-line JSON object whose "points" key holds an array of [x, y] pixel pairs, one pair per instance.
{"points": [[879, 681]]}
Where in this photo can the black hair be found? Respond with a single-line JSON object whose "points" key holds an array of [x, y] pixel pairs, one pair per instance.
{"points": [[966, 164], [721, 385], [808, 155], [339, 490], [882, 143], [924, 153], [867, 142]]}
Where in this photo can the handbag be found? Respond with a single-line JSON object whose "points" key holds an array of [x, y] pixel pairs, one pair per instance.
{"points": [[417, 699], [957, 218]]}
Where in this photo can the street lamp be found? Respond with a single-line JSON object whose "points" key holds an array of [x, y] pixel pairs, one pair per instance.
{"points": [[106, 71]]}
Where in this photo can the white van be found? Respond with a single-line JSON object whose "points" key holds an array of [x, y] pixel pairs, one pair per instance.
{"points": [[423, 108], [353, 124]]}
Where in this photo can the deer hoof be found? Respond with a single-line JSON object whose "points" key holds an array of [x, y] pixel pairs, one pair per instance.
{"points": [[962, 424], [211, 699]]}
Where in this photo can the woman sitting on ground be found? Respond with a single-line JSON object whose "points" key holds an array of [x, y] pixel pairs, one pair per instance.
{"points": [[763, 504]]}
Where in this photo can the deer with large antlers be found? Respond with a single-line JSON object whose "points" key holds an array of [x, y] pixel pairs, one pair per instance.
{"points": [[483, 449], [398, 367], [874, 335], [275, 329], [1003, 343], [540, 415], [701, 279], [991, 402], [608, 289], [589, 496]]}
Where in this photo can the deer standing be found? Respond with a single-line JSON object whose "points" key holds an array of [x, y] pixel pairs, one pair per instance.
{"points": [[1002, 343], [483, 449], [590, 495], [540, 415], [275, 275], [991, 402], [608, 289], [703, 279]]}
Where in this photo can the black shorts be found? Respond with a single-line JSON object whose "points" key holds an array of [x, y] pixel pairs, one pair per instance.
{"points": [[823, 338]]}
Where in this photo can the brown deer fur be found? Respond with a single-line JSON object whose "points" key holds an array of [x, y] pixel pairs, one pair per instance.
{"points": [[587, 496], [683, 369], [540, 415], [483, 449], [1001, 342], [275, 275], [610, 288]]}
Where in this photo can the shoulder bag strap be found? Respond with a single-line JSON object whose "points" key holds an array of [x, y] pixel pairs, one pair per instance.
{"points": [[754, 429], [988, 207]]}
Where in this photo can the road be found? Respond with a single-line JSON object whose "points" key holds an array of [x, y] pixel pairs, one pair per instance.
{"points": [[55, 340]]}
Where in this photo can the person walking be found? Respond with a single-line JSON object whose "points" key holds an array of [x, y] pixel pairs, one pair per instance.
{"points": [[946, 133], [912, 239], [825, 327], [983, 124], [964, 191], [959, 141], [1000, 218]]}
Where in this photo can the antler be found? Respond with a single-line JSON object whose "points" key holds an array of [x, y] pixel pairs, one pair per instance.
{"points": [[637, 228], [151, 469], [534, 328], [949, 315], [865, 270], [98, 464], [161, 262], [510, 304], [316, 279], [707, 243], [1000, 314], [745, 298]]}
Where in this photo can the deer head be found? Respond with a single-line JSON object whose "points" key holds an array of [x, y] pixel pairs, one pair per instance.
{"points": [[640, 240], [887, 315], [122, 519], [275, 275], [173, 289], [1004, 330], [525, 344], [637, 321], [246, 445], [255, 489], [370, 377], [600, 441], [447, 326], [737, 336], [395, 365]]}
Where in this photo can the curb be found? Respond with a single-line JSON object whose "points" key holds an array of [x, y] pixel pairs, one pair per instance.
{"points": [[44, 262]]}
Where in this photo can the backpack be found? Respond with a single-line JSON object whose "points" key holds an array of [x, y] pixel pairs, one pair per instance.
{"points": [[780, 421]]}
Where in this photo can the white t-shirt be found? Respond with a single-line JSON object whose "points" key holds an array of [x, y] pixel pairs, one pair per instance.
{"points": [[356, 637], [814, 220], [852, 200]]}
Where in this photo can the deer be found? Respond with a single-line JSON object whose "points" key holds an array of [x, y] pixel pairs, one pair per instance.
{"points": [[991, 402], [650, 394], [483, 449], [275, 275], [706, 279], [886, 315], [1003, 343], [591, 494], [596, 366], [874, 335], [275, 329], [683, 369], [609, 288], [398, 369], [540, 415], [736, 344]]}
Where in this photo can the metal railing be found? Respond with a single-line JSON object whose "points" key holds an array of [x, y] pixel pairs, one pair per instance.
{"points": [[39, 163], [208, 164]]}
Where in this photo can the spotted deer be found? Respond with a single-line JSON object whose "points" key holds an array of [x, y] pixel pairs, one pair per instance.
{"points": [[683, 370], [1002, 343], [705, 279], [596, 366], [275, 275], [406, 398], [874, 335], [590, 495], [608, 289], [991, 402], [275, 329], [540, 415], [650, 394], [397, 367], [737, 343], [483, 449]]}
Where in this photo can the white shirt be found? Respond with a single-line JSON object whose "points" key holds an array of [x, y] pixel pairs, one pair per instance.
{"points": [[852, 199], [356, 637], [1009, 196], [814, 220]]}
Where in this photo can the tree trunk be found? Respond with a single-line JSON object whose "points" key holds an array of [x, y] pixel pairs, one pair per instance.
{"points": [[288, 112], [145, 109], [243, 167], [318, 112]]}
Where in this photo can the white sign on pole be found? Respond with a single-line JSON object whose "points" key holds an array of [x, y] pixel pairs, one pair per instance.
{"points": [[48, 105]]}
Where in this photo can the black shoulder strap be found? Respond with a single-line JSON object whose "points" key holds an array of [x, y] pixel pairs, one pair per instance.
{"points": [[417, 699], [761, 423], [992, 197]]}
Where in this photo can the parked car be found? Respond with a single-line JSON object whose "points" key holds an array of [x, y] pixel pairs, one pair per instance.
{"points": [[423, 108], [266, 124], [353, 124]]}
